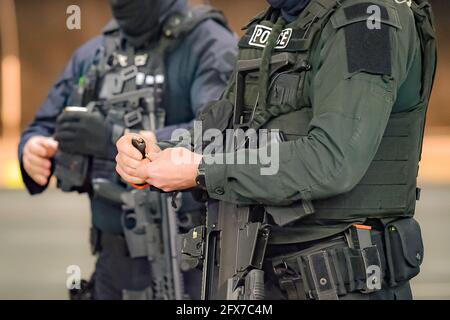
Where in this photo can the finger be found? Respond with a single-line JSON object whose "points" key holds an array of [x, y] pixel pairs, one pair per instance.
{"points": [[52, 147], [152, 148], [128, 178], [146, 172], [39, 161], [124, 146], [125, 161], [133, 171], [38, 170], [50, 144], [34, 170], [153, 156], [149, 137], [36, 148], [40, 179]]}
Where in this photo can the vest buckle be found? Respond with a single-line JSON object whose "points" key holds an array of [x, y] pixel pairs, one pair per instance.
{"points": [[132, 118]]}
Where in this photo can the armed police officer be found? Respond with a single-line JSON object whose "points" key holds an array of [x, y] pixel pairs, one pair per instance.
{"points": [[341, 90], [150, 71]]}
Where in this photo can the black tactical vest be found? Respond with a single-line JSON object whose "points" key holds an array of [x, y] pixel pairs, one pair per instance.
{"points": [[276, 98], [127, 87]]}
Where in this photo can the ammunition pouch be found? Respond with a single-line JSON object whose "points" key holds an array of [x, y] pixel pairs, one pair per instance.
{"points": [[193, 248], [103, 169], [72, 171], [331, 268], [404, 250]]}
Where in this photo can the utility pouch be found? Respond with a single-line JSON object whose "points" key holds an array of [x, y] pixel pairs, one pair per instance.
{"points": [[247, 86], [193, 248], [404, 250], [215, 115], [71, 171]]}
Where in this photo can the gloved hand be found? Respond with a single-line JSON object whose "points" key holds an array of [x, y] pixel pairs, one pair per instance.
{"points": [[85, 133]]}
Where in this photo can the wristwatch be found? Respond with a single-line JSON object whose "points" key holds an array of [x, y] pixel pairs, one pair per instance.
{"points": [[200, 180]]}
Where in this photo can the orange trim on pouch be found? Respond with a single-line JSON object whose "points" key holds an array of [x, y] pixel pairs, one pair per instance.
{"points": [[140, 186], [362, 226]]}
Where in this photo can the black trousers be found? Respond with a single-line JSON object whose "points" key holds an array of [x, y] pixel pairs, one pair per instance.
{"points": [[115, 271]]}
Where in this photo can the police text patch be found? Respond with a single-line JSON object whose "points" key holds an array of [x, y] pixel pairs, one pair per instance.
{"points": [[261, 36]]}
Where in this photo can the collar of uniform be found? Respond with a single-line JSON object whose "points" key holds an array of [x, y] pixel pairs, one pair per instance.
{"points": [[111, 26], [172, 7]]}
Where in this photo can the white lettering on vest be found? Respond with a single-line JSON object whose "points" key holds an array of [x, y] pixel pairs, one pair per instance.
{"points": [[261, 36]]}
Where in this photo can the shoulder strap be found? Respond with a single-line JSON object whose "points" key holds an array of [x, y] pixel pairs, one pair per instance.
{"points": [[425, 27], [180, 25]]}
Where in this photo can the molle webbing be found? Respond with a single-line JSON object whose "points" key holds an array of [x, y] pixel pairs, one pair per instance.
{"points": [[264, 73], [303, 33], [389, 185]]}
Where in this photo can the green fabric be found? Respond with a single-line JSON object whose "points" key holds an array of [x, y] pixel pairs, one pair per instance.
{"points": [[350, 114]]}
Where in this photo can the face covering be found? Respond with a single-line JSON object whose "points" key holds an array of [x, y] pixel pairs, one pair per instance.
{"points": [[138, 19], [290, 9]]}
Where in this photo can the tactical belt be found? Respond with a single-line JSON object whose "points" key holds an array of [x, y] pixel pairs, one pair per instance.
{"points": [[328, 270]]}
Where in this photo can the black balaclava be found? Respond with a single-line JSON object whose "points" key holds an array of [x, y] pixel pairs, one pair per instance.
{"points": [[140, 19], [289, 8]]}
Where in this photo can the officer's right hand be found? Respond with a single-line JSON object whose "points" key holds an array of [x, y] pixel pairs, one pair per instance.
{"points": [[129, 159], [36, 158]]}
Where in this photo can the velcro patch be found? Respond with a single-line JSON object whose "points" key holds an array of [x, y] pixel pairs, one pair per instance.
{"points": [[368, 40]]}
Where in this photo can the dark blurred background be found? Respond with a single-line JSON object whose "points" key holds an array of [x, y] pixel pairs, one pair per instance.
{"points": [[41, 236]]}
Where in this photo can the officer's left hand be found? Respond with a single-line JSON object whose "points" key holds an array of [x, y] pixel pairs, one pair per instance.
{"points": [[84, 133], [172, 169]]}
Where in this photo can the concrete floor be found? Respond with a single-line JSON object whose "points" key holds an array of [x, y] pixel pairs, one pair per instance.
{"points": [[41, 236]]}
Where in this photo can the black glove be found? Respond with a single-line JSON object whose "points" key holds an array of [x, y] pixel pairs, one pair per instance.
{"points": [[85, 133]]}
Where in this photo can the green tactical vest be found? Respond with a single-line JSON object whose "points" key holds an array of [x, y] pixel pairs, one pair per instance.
{"points": [[276, 98]]}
